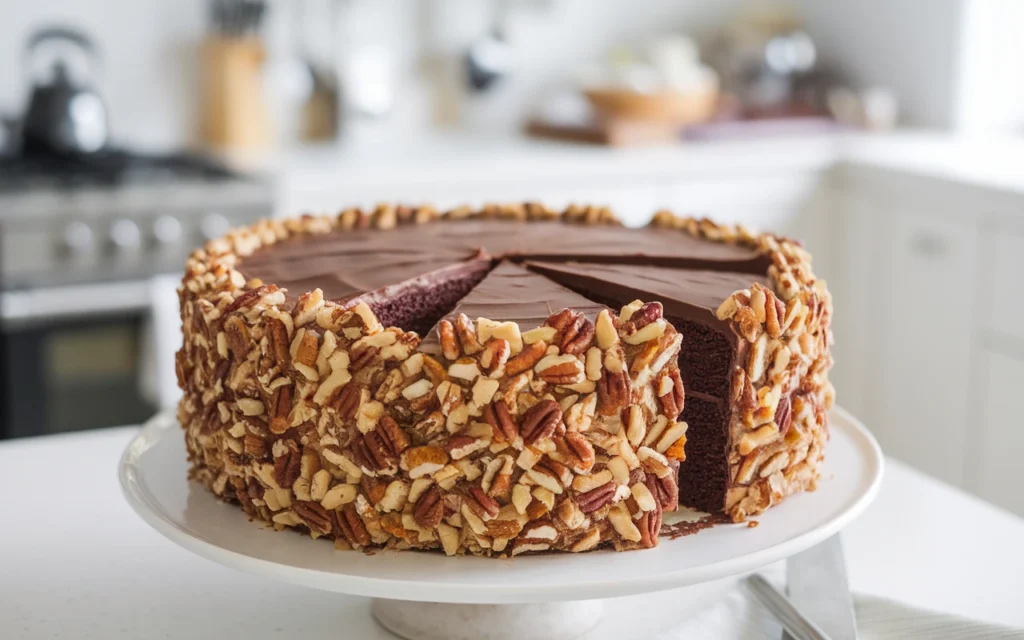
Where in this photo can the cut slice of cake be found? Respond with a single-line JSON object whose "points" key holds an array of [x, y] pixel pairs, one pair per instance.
{"points": [[711, 351]]}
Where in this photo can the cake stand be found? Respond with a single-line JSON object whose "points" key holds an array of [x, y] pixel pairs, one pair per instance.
{"points": [[428, 595]]}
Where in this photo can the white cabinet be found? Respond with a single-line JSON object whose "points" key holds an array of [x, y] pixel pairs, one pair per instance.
{"points": [[923, 371], [1005, 313], [859, 258], [996, 434]]}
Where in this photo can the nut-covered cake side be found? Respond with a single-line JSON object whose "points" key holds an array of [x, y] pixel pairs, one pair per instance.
{"points": [[781, 395], [516, 439], [512, 439]]}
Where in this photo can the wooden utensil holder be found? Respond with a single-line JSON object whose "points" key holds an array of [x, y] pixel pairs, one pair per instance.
{"points": [[234, 111]]}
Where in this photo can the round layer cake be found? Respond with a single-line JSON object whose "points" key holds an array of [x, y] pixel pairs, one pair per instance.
{"points": [[501, 381]]}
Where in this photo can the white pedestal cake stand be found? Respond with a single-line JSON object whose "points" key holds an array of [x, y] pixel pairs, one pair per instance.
{"points": [[428, 596]]}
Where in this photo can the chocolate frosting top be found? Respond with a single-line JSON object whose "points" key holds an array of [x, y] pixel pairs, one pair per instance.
{"points": [[687, 293], [569, 265], [512, 292]]}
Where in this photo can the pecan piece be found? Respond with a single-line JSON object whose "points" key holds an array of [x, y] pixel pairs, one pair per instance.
{"points": [[374, 453], [467, 335], [255, 446], [577, 333], [562, 369], [583, 454], [563, 319], [254, 489], [650, 527], [671, 395], [348, 400], [237, 335], [460, 446], [540, 421], [250, 298], [374, 488], [502, 423], [280, 408], [596, 498], [288, 467], [482, 504], [502, 528], [612, 392], [392, 435], [784, 415], [665, 490], [308, 348], [495, 355], [362, 357], [429, 508], [526, 359], [349, 526], [449, 343], [313, 515], [647, 313]]}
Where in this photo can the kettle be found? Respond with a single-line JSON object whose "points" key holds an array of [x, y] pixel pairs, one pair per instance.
{"points": [[63, 116]]}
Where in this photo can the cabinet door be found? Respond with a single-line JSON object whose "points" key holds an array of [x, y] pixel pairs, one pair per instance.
{"points": [[998, 432], [924, 345], [1006, 304], [859, 261]]}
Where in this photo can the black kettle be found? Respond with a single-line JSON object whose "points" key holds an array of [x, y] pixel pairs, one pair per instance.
{"points": [[63, 116]]}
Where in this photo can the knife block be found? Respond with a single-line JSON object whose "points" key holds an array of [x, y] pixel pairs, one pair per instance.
{"points": [[234, 113]]}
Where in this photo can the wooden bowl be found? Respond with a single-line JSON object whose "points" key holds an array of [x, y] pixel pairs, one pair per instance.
{"points": [[662, 106]]}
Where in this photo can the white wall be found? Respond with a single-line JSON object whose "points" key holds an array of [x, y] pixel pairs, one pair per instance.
{"points": [[909, 46], [990, 96], [151, 73]]}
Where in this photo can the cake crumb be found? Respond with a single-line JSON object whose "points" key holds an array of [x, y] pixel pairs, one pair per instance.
{"points": [[680, 529], [752, 524]]}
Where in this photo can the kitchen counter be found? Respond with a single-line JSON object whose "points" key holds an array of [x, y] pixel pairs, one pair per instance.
{"points": [[77, 562], [428, 159]]}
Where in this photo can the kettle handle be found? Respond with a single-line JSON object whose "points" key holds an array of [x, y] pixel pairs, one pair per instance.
{"points": [[65, 34]]}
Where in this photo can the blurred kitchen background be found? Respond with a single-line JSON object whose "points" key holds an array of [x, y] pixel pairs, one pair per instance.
{"points": [[887, 134]]}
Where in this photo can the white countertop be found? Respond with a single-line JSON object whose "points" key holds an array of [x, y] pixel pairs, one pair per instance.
{"points": [[430, 158], [78, 563], [411, 159]]}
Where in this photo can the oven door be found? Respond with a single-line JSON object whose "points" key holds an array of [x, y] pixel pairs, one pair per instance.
{"points": [[87, 356]]}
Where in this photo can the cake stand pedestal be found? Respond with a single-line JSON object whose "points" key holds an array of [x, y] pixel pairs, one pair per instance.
{"points": [[427, 596], [442, 621]]}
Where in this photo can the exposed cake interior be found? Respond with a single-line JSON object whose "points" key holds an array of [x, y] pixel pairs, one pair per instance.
{"points": [[710, 350], [417, 304]]}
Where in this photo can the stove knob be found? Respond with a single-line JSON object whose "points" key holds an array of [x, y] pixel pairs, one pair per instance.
{"points": [[167, 231], [214, 225], [125, 235], [78, 240]]}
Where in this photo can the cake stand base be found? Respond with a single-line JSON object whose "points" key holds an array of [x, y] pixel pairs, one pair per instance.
{"points": [[442, 621]]}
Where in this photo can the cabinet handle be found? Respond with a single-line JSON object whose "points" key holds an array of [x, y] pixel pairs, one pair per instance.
{"points": [[928, 245]]}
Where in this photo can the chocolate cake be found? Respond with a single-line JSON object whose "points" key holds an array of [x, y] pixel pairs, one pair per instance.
{"points": [[501, 381]]}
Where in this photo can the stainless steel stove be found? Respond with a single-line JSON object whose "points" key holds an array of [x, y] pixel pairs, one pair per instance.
{"points": [[91, 248], [114, 215]]}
